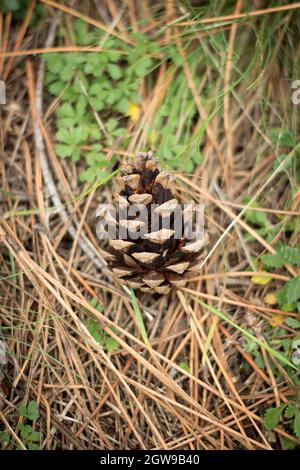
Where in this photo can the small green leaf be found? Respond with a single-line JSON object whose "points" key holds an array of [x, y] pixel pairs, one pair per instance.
{"points": [[81, 106], [94, 132], [32, 410], [63, 150], [87, 175], [281, 295], [96, 147], [32, 446], [123, 106], [56, 87], [96, 89], [272, 417], [69, 95], [288, 444], [293, 290], [278, 161], [287, 307], [66, 110], [282, 137], [22, 410], [114, 71], [297, 424], [290, 411], [67, 73], [80, 29], [75, 154], [79, 135], [293, 323], [95, 330], [25, 430], [111, 344], [189, 166], [290, 254], [100, 174], [55, 62], [97, 104], [111, 125], [66, 122], [251, 347], [34, 436], [4, 439], [184, 365], [198, 157], [274, 261], [63, 135], [258, 218], [119, 132], [114, 56], [95, 304], [142, 66]]}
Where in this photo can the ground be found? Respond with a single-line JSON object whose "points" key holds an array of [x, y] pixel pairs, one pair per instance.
{"points": [[211, 88]]}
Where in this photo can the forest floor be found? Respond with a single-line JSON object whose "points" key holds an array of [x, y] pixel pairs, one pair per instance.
{"points": [[211, 89]]}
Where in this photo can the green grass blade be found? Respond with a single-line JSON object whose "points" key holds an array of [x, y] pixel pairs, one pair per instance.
{"points": [[139, 318]]}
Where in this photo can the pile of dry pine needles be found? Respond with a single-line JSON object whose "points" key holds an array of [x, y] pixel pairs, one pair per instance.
{"points": [[180, 377]]}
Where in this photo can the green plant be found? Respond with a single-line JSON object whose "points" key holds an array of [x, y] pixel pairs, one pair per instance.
{"points": [[284, 254], [103, 338], [185, 366], [282, 138], [107, 84], [289, 295], [28, 435], [288, 413], [253, 348], [29, 411], [257, 218], [287, 299], [260, 220], [4, 439], [96, 90]]}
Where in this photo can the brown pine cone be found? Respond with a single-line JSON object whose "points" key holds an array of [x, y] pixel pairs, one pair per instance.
{"points": [[152, 261]]}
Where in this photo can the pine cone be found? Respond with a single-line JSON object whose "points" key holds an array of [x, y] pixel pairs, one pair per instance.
{"points": [[154, 261]]}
